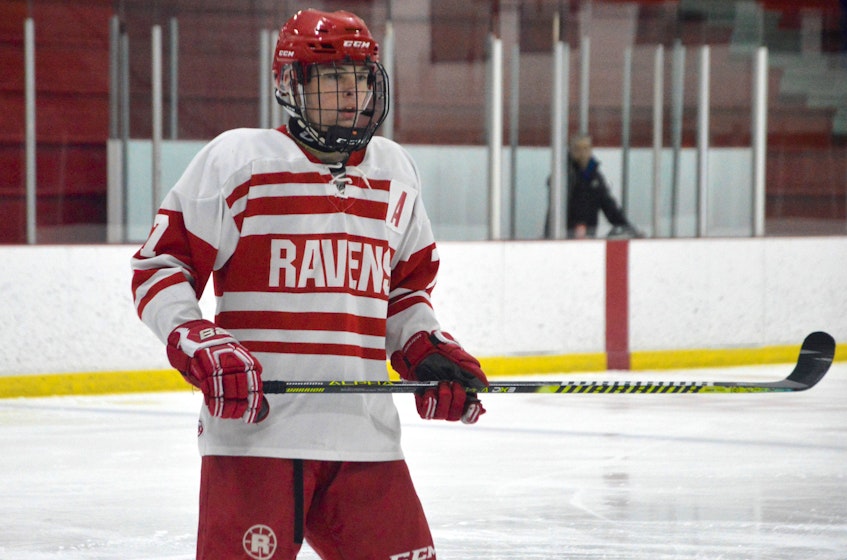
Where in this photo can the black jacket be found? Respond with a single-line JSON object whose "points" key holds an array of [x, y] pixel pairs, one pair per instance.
{"points": [[588, 194]]}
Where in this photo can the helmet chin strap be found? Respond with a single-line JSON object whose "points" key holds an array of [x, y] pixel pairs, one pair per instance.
{"points": [[308, 136], [336, 139]]}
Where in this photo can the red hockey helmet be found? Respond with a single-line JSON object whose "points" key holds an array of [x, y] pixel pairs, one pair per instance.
{"points": [[315, 37], [340, 38]]}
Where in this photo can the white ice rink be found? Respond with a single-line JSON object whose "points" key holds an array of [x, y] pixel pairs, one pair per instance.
{"points": [[624, 477]]}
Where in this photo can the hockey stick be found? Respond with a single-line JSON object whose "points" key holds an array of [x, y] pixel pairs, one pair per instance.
{"points": [[815, 358]]}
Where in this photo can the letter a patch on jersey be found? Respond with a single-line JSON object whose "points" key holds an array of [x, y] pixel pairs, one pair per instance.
{"points": [[401, 201]]}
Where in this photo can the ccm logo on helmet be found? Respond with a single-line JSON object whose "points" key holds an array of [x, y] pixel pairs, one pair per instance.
{"points": [[357, 44], [286, 53]]}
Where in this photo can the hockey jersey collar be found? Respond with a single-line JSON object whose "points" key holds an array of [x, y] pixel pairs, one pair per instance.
{"points": [[355, 157]]}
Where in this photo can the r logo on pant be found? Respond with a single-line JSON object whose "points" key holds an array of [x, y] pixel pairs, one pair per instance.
{"points": [[259, 542]]}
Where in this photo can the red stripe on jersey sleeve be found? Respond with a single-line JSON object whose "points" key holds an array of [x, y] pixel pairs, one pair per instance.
{"points": [[156, 288], [139, 278], [195, 256], [401, 304], [418, 272], [413, 277], [239, 192]]}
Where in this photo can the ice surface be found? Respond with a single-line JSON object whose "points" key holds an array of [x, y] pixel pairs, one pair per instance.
{"points": [[628, 477]]}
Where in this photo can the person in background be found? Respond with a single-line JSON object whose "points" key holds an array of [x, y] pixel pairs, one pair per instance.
{"points": [[323, 262], [588, 195]]}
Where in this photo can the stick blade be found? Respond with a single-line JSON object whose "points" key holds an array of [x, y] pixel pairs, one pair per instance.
{"points": [[816, 356]]}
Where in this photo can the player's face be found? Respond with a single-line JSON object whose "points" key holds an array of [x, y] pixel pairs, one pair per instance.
{"points": [[337, 94]]}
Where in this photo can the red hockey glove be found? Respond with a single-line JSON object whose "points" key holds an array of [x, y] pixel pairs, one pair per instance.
{"points": [[436, 356], [213, 361]]}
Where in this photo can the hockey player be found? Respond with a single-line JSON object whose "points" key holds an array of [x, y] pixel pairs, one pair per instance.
{"points": [[323, 262]]}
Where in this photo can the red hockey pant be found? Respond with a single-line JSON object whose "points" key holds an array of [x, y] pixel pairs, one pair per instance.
{"points": [[263, 509]]}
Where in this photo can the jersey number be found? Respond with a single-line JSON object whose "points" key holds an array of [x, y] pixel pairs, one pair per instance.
{"points": [[160, 224]]}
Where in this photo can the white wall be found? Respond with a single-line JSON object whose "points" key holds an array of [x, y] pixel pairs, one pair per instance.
{"points": [[724, 293], [69, 308], [525, 297]]}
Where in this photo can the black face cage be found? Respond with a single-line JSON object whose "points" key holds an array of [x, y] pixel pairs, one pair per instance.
{"points": [[319, 125]]}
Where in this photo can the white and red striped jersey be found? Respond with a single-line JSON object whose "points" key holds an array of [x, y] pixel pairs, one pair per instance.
{"points": [[317, 275]]}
